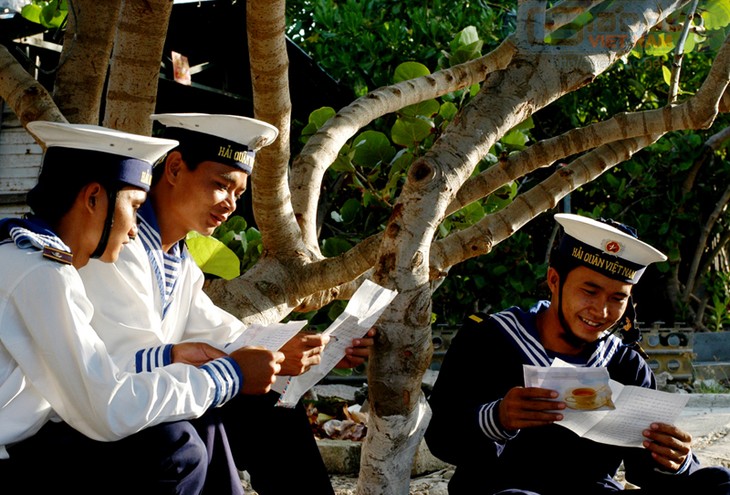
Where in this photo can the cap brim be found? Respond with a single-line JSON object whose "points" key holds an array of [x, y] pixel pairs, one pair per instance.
{"points": [[594, 233], [102, 139], [244, 130]]}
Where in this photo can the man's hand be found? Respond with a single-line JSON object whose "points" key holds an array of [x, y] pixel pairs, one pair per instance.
{"points": [[359, 352], [669, 445], [529, 407], [195, 353], [302, 351], [259, 367]]}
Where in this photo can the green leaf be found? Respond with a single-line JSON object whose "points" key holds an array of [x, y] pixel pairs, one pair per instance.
{"points": [[32, 12], [321, 115], [466, 53], [350, 210], [468, 215], [235, 224], [515, 139], [316, 120], [253, 234], [212, 256], [410, 70], [426, 108], [448, 111], [716, 14], [465, 37], [666, 75], [335, 246], [372, 148], [52, 16], [501, 197], [343, 162], [499, 270], [409, 131]]}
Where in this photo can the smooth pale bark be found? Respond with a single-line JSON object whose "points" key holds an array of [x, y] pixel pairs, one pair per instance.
{"points": [[271, 199], [28, 99], [135, 65], [88, 41]]}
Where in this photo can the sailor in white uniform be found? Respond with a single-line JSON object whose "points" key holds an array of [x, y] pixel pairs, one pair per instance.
{"points": [[156, 293], [68, 415]]}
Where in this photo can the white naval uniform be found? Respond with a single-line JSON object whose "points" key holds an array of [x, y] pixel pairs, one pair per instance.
{"points": [[127, 296], [53, 366]]}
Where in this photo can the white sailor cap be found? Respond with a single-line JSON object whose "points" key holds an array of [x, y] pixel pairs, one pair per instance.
{"points": [[606, 246], [229, 139], [78, 152]]}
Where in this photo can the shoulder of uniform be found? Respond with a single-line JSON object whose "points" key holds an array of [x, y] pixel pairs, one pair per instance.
{"points": [[477, 319], [58, 255]]}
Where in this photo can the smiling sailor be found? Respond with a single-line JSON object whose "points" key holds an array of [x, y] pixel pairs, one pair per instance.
{"points": [[515, 442]]}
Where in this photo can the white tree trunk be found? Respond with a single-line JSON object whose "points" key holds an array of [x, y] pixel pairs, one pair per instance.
{"points": [[84, 61]]}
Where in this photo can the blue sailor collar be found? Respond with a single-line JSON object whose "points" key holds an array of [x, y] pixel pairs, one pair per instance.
{"points": [[520, 328], [33, 233], [148, 219], [165, 265]]}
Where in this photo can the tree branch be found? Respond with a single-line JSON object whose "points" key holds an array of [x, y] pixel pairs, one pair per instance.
{"points": [[88, 40], [481, 237], [135, 65], [27, 97], [265, 22], [702, 242], [699, 111]]}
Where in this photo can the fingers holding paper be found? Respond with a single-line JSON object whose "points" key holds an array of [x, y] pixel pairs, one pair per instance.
{"points": [[669, 445], [301, 352], [259, 367], [359, 352], [527, 407]]}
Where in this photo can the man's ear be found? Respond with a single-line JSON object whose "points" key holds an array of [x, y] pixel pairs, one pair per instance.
{"points": [[553, 279], [91, 196], [174, 164]]}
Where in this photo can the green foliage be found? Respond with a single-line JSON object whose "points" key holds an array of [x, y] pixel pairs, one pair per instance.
{"points": [[508, 276], [243, 241], [212, 256], [650, 191], [715, 14], [381, 34], [50, 14], [388, 42], [718, 310], [371, 168]]}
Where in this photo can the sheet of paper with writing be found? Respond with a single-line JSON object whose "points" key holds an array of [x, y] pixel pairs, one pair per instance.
{"points": [[271, 337], [361, 313], [616, 418]]}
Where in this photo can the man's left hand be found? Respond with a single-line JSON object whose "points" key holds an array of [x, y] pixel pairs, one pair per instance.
{"points": [[669, 445], [195, 353], [359, 352]]}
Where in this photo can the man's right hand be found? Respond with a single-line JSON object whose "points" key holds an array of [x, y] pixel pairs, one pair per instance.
{"points": [[529, 407], [303, 351], [259, 367]]}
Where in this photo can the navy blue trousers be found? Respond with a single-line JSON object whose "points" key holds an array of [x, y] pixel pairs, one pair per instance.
{"points": [[704, 481], [203, 456], [165, 459]]}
